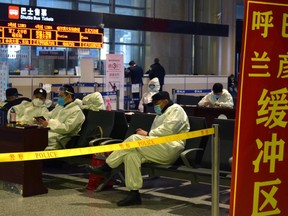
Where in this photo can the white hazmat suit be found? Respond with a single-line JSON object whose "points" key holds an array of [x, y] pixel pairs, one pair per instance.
{"points": [[93, 101], [153, 88], [173, 121], [63, 125], [26, 111], [225, 100]]}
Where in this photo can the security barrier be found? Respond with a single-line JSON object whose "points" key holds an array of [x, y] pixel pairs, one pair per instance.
{"points": [[39, 155]]}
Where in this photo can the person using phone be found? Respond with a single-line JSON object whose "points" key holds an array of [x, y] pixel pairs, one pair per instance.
{"points": [[26, 110], [64, 123]]}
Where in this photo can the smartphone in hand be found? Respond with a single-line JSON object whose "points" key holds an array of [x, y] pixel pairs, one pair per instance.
{"points": [[40, 117]]}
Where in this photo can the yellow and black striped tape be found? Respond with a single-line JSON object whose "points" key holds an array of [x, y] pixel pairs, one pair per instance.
{"points": [[39, 155]]}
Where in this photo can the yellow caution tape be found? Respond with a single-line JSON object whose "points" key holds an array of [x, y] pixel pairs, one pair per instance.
{"points": [[39, 155]]}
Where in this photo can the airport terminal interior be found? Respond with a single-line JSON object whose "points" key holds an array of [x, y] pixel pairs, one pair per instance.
{"points": [[67, 195], [192, 59]]}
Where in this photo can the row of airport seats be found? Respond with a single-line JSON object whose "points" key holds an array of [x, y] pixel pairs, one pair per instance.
{"points": [[195, 162], [193, 165], [112, 123]]}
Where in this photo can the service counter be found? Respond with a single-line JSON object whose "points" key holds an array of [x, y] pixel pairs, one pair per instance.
{"points": [[27, 83], [210, 113], [25, 176]]}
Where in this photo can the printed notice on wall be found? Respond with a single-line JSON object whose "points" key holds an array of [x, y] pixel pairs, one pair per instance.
{"points": [[260, 158], [114, 80]]}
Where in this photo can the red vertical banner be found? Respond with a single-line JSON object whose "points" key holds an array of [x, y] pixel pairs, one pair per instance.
{"points": [[260, 158]]}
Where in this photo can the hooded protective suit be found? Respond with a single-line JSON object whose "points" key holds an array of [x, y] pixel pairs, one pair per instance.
{"points": [[93, 101], [174, 120], [26, 111], [225, 100], [64, 124], [153, 88]]}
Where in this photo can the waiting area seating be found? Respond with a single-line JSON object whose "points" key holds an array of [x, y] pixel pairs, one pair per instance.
{"points": [[193, 165], [196, 163]]}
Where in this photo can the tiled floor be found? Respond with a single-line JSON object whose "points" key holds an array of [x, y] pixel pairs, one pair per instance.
{"points": [[67, 196]]}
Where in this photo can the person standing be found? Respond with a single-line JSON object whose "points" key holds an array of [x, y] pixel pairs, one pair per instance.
{"points": [[232, 85], [135, 73], [157, 70]]}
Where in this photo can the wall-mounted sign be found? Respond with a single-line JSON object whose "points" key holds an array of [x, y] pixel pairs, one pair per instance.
{"points": [[37, 26]]}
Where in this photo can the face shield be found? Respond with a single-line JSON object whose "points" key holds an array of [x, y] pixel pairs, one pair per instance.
{"points": [[64, 90]]}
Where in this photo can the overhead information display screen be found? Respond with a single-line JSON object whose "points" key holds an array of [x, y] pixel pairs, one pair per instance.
{"points": [[32, 34], [37, 26]]}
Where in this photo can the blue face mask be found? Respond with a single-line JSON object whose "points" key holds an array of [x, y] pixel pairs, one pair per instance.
{"points": [[217, 97], [151, 87], [60, 101], [158, 109]]}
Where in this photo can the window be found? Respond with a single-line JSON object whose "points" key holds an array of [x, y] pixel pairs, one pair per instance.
{"points": [[131, 3], [124, 36], [63, 4], [20, 2], [128, 11]]}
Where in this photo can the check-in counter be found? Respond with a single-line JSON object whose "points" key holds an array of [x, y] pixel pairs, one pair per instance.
{"points": [[26, 84], [210, 113]]}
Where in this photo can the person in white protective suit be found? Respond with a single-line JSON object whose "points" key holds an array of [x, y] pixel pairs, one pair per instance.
{"points": [[153, 88], [170, 119], [26, 111], [93, 101], [66, 123], [219, 97]]}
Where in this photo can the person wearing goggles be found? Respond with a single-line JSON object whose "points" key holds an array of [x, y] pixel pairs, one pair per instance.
{"points": [[66, 122], [153, 88]]}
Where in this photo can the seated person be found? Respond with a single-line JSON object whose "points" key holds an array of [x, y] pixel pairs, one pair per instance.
{"points": [[12, 99], [153, 88], [66, 122], [93, 101], [219, 97], [26, 111], [170, 119]]}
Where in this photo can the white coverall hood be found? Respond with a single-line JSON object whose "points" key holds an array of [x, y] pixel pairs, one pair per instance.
{"points": [[93, 101], [154, 81], [147, 96]]}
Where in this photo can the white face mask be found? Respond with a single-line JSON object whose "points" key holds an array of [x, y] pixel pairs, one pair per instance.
{"points": [[37, 102]]}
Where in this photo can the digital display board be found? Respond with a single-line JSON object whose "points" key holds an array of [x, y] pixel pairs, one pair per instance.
{"points": [[37, 26], [31, 34]]}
